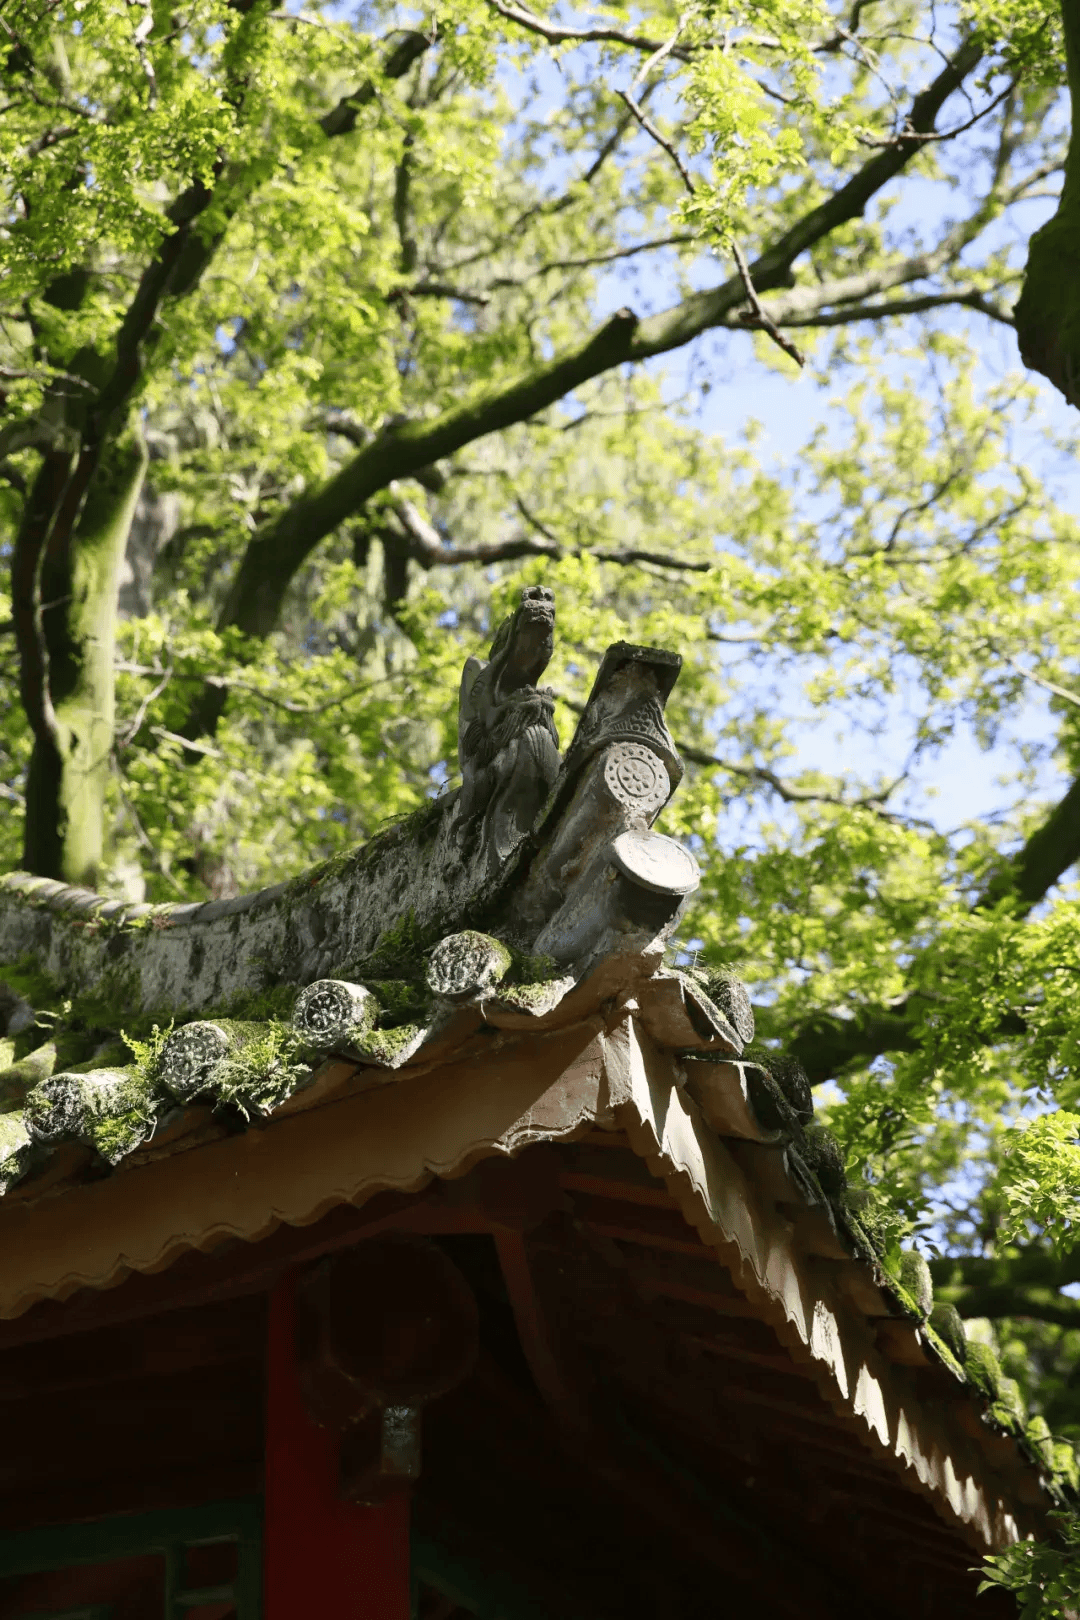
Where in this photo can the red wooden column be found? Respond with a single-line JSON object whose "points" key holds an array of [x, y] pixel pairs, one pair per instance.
{"points": [[323, 1556]]}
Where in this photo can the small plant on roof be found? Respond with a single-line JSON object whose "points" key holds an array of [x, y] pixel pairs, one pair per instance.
{"points": [[147, 1053], [262, 1072], [1043, 1575]]}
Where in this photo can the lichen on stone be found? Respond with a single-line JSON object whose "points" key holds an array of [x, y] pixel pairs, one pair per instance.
{"points": [[13, 1134], [788, 1077], [14, 1167], [727, 990], [1040, 1442], [19, 1078], [189, 1059], [770, 1106], [332, 1014], [862, 1235], [944, 1352], [117, 1135], [536, 998], [1066, 1469]]}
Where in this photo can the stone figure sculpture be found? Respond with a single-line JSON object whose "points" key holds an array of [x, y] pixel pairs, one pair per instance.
{"points": [[507, 742]]}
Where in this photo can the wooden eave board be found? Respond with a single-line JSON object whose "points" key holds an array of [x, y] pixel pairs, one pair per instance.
{"points": [[595, 1076]]}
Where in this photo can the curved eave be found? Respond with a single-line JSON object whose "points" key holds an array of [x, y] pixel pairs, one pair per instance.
{"points": [[347, 1139]]}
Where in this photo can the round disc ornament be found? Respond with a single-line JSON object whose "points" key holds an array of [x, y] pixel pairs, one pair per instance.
{"points": [[636, 777], [190, 1056], [655, 862], [332, 1010]]}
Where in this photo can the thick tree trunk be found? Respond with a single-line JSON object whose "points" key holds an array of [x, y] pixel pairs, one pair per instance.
{"points": [[65, 795], [1048, 312]]}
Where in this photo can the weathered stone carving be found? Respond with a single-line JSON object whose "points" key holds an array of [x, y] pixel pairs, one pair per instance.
{"points": [[334, 1012], [191, 1056], [602, 880], [105, 1109], [556, 860], [508, 746], [626, 706], [467, 964]]}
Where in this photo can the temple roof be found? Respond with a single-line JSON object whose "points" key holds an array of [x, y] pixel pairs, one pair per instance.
{"points": [[489, 977]]}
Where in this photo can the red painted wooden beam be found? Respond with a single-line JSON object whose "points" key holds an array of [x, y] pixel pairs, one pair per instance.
{"points": [[323, 1555]]}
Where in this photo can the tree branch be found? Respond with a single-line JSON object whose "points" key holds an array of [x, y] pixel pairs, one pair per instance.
{"points": [[947, 134], [442, 289], [826, 1045], [428, 548], [759, 318], [784, 790], [891, 309], [280, 547], [802, 306], [654, 134], [584, 36], [1047, 686], [1042, 859], [341, 120], [589, 260], [1025, 1282]]}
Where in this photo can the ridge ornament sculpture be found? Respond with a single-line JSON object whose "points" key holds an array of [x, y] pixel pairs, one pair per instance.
{"points": [[534, 856], [508, 746]]}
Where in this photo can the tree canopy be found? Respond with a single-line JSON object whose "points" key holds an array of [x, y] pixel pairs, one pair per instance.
{"points": [[323, 329]]}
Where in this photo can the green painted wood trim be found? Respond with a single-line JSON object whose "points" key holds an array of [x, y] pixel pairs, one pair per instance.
{"points": [[55, 1546], [96, 1611], [134, 1535]]}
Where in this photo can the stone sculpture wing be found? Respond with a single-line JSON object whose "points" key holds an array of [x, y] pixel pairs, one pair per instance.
{"points": [[468, 707]]}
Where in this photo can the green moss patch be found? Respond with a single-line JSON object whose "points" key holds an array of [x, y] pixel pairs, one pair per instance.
{"points": [[400, 1001], [399, 955], [945, 1352], [984, 1369], [388, 1046], [947, 1323], [262, 1070], [1008, 1410], [13, 1135]]}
